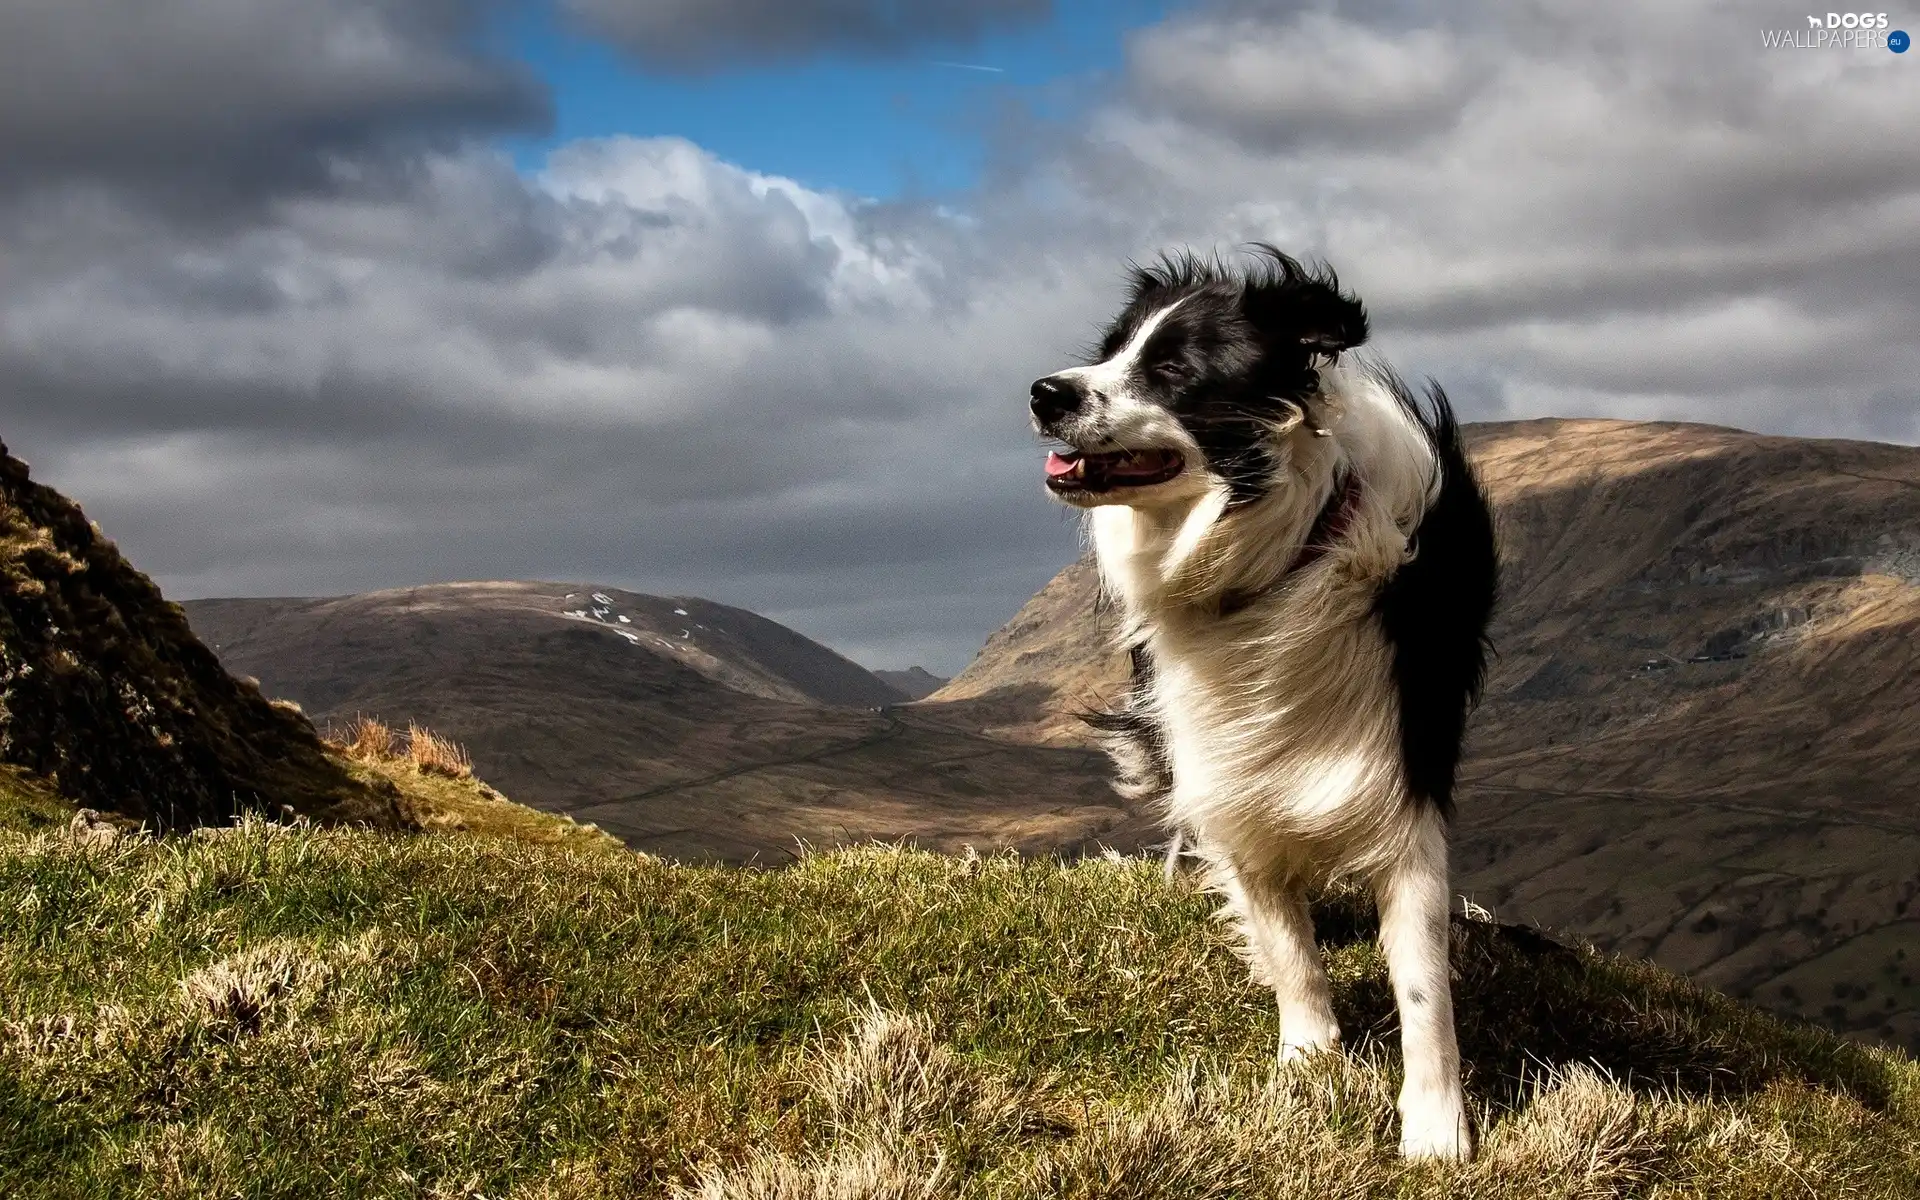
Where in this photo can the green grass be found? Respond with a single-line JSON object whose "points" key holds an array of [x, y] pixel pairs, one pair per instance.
{"points": [[29, 803], [442, 803], [302, 1012]]}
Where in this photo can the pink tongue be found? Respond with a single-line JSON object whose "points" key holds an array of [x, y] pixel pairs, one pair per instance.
{"points": [[1057, 465]]}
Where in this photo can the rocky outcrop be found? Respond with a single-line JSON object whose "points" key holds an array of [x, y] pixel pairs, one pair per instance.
{"points": [[106, 693]]}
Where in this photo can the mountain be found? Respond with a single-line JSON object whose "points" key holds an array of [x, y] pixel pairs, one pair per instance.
{"points": [[1701, 736], [1053, 661], [685, 727], [914, 683], [318, 649], [109, 701]]}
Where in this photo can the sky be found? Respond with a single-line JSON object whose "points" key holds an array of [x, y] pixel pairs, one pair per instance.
{"points": [[740, 298]]}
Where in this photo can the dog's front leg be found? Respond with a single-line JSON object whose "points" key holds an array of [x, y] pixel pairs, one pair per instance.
{"points": [[1412, 895], [1280, 943]]}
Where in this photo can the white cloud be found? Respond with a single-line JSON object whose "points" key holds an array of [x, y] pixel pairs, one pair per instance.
{"points": [[1633, 206]]}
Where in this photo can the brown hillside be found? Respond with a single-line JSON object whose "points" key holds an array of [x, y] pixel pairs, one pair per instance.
{"points": [[318, 650], [733, 742], [1039, 671], [106, 694], [1701, 738]]}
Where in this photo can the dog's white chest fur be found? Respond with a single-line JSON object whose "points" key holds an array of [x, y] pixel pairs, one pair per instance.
{"points": [[1280, 721]]}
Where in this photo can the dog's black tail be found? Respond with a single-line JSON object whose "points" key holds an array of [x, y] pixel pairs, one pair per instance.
{"points": [[1436, 608]]}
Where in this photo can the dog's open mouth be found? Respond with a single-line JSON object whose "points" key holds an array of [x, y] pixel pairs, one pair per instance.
{"points": [[1106, 471]]}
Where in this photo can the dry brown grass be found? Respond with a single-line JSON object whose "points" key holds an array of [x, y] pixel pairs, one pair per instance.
{"points": [[437, 755], [242, 990], [906, 1117], [371, 741], [366, 740]]}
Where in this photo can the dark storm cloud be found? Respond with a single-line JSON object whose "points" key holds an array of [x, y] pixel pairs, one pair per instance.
{"points": [[651, 368], [699, 35], [194, 100]]}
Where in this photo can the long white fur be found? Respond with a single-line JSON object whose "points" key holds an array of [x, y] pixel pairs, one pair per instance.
{"points": [[1281, 719]]}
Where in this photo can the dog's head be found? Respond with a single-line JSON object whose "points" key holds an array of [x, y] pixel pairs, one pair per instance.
{"points": [[1196, 383]]}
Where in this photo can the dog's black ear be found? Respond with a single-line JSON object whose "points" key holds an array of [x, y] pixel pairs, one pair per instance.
{"points": [[1287, 302], [1327, 320]]}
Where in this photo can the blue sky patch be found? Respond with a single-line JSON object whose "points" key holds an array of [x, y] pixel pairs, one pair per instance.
{"points": [[912, 125]]}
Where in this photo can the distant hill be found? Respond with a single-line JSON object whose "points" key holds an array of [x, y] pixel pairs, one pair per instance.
{"points": [[1041, 670], [1701, 737], [687, 728], [320, 652], [914, 683]]}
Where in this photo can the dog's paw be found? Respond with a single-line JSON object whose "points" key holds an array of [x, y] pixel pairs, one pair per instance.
{"points": [[1295, 1051], [1436, 1129], [1298, 1046], [1306, 1033]]}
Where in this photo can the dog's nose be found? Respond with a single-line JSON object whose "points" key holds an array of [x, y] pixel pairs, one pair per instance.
{"points": [[1053, 398]]}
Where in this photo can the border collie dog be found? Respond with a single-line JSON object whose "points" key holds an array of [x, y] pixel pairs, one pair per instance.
{"points": [[1304, 566]]}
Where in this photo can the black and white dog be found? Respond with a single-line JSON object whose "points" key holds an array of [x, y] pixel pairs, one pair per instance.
{"points": [[1304, 566]]}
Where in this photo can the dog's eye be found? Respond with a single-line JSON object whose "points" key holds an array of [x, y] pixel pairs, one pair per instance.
{"points": [[1171, 368]]}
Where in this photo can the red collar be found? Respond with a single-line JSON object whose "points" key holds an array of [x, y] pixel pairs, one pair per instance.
{"points": [[1335, 517]]}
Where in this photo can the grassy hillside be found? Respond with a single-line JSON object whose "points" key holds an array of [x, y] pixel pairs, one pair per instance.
{"points": [[273, 1011], [439, 792], [28, 802]]}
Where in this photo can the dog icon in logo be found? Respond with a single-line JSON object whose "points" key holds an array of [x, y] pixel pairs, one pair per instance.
{"points": [[1813, 22]]}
